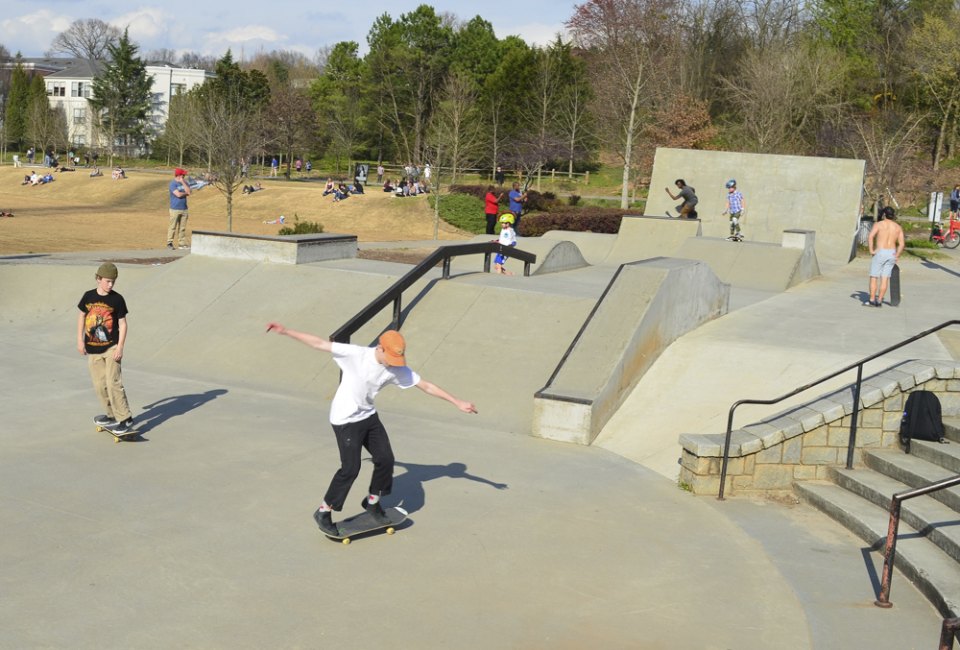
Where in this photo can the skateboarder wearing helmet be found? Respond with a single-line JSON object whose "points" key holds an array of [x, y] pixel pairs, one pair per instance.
{"points": [[356, 424], [508, 237], [736, 206]]}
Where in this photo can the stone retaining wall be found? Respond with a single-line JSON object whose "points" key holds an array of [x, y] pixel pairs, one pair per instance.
{"points": [[804, 442]]}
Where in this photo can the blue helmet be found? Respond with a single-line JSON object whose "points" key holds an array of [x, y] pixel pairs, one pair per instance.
{"points": [[731, 183]]}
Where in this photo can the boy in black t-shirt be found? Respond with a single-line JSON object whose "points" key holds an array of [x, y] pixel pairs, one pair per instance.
{"points": [[101, 334]]}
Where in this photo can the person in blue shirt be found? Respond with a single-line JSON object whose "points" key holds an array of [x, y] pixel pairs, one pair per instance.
{"points": [[517, 199], [179, 191]]}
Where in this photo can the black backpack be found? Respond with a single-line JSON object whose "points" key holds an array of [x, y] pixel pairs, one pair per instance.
{"points": [[922, 419]]}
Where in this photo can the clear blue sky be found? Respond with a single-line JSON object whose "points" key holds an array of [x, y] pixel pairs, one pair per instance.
{"points": [[249, 26]]}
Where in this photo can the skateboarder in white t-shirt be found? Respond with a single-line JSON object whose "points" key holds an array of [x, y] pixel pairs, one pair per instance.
{"points": [[355, 421]]}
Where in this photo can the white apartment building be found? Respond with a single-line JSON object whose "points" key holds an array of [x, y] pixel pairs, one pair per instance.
{"points": [[71, 85]]}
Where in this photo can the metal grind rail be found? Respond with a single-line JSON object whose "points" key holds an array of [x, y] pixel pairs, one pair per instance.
{"points": [[851, 443], [890, 551], [948, 632], [444, 254]]}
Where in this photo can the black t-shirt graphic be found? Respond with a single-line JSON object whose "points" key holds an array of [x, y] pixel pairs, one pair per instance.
{"points": [[101, 326]]}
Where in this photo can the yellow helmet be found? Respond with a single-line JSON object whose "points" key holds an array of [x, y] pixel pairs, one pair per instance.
{"points": [[506, 218]]}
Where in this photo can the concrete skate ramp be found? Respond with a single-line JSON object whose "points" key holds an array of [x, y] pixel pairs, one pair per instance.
{"points": [[648, 305], [641, 238], [754, 265], [204, 319], [781, 192], [553, 256]]}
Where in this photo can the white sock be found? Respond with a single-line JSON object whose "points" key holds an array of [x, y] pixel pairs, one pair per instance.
{"points": [[373, 498], [324, 507]]}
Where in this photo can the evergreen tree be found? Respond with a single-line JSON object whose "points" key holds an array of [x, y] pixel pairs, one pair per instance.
{"points": [[121, 98], [17, 107]]}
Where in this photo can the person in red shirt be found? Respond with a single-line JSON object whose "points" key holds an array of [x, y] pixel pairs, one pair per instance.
{"points": [[491, 208]]}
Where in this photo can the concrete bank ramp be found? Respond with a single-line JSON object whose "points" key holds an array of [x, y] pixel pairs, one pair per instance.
{"points": [[781, 193], [646, 307], [481, 337], [553, 256]]}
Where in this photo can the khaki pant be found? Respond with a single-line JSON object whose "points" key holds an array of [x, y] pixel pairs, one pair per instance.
{"points": [[178, 227], [108, 384]]}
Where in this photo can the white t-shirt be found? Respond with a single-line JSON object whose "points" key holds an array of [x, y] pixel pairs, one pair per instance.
{"points": [[363, 377], [508, 237]]}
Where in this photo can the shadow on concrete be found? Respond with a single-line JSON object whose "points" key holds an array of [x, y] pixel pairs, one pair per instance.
{"points": [[933, 265], [162, 410], [408, 487], [860, 296]]}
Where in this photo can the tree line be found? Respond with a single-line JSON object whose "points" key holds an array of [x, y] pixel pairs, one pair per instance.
{"points": [[872, 79]]}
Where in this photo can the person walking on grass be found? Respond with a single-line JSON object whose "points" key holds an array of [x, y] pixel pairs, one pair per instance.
{"points": [[356, 424]]}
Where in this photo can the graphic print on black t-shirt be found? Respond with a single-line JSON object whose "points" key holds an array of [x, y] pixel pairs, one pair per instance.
{"points": [[101, 319]]}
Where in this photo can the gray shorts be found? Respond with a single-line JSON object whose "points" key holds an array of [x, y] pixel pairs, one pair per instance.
{"points": [[882, 263]]}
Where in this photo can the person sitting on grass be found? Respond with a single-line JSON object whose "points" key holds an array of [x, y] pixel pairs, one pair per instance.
{"points": [[387, 186]]}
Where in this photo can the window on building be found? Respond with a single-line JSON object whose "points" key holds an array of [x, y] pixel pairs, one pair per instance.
{"points": [[177, 89], [57, 88], [80, 89], [79, 115], [79, 139]]}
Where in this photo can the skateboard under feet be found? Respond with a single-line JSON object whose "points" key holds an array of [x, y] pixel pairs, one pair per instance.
{"points": [[117, 437], [364, 523]]}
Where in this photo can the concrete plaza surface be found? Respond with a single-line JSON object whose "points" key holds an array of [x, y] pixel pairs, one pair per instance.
{"points": [[201, 535]]}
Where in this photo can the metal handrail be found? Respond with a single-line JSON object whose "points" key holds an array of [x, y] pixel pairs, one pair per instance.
{"points": [[443, 254], [890, 551], [851, 443], [948, 632]]}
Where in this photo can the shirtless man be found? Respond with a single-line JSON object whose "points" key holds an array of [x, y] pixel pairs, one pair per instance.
{"points": [[886, 243]]}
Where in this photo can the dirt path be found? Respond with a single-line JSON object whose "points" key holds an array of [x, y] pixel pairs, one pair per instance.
{"points": [[79, 213]]}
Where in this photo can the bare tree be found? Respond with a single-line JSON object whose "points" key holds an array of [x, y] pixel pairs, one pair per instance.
{"points": [[626, 40], [164, 55], [229, 132], [88, 38], [934, 55], [780, 94], [457, 127], [886, 140]]}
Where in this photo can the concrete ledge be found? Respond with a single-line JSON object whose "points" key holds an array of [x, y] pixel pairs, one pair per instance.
{"points": [[806, 442], [647, 306], [286, 249]]}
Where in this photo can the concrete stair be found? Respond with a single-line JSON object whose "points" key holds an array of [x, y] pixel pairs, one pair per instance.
{"points": [[928, 542]]}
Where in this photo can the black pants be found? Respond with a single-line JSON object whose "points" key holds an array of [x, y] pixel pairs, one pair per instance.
{"points": [[491, 223], [352, 438]]}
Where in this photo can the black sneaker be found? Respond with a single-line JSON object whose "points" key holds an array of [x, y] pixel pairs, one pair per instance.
{"points": [[124, 427], [104, 421], [375, 510], [324, 520]]}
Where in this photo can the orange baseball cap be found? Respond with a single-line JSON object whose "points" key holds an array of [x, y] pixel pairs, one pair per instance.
{"points": [[394, 347]]}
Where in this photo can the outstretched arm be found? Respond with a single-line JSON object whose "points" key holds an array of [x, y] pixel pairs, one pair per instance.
{"points": [[312, 340], [435, 391], [671, 195]]}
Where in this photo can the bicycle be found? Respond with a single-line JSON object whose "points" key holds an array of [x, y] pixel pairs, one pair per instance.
{"points": [[951, 238]]}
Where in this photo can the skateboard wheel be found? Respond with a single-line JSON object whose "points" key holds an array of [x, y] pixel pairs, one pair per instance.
{"points": [[346, 540], [390, 531], [99, 429], [116, 440]]}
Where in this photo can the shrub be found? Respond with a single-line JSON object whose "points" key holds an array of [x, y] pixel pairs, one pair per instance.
{"points": [[573, 200], [463, 211], [301, 227], [478, 191], [586, 219]]}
